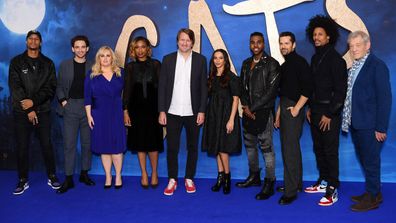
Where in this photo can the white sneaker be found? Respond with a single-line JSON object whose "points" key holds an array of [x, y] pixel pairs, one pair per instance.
{"points": [[317, 188], [329, 199]]}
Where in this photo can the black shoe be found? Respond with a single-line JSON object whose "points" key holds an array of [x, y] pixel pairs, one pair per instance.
{"points": [[22, 185], [68, 184], [119, 186], [144, 186], [287, 200], [53, 182], [107, 186], [281, 189], [267, 191], [227, 183], [219, 182], [84, 178], [252, 180]]}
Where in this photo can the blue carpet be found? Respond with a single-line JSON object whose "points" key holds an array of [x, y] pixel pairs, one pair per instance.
{"points": [[134, 204]]}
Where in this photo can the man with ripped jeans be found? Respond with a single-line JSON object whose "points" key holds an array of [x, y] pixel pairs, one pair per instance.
{"points": [[260, 80]]}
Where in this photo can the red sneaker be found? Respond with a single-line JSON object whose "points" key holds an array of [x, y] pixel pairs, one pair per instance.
{"points": [[172, 185], [329, 199], [190, 187]]}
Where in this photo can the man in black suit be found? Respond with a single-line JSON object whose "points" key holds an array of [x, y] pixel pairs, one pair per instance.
{"points": [[182, 98]]}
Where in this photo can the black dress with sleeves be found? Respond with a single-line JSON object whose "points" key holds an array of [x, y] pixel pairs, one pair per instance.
{"points": [[141, 101], [215, 138]]}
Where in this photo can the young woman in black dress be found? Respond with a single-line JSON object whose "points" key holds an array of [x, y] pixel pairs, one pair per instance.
{"points": [[222, 133], [140, 108]]}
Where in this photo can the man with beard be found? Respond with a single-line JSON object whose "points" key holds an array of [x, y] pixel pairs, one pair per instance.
{"points": [[329, 90], [366, 114], [295, 88], [260, 76]]}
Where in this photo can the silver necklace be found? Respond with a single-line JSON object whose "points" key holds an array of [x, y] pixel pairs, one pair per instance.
{"points": [[256, 61]]}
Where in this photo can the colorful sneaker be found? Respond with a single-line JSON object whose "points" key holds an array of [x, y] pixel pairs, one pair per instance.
{"points": [[319, 187], [21, 187], [190, 187], [53, 182], [172, 185], [329, 199]]}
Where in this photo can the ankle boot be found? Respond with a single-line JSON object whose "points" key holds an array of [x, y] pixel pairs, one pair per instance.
{"points": [[219, 182], [227, 183], [67, 184], [84, 178], [252, 180], [268, 189]]}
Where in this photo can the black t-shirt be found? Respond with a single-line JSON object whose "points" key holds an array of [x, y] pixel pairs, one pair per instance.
{"points": [[77, 87]]}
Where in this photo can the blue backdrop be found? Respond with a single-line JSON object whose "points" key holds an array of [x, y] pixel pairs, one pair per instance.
{"points": [[102, 22]]}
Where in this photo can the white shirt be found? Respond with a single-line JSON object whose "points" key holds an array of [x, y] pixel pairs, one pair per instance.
{"points": [[181, 96]]}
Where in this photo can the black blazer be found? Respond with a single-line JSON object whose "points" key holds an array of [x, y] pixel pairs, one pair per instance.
{"points": [[199, 88]]}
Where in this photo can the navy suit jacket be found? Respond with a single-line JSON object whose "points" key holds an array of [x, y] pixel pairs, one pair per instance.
{"points": [[198, 87], [372, 96]]}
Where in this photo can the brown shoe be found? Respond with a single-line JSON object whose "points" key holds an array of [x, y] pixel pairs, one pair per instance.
{"points": [[359, 198], [367, 203]]}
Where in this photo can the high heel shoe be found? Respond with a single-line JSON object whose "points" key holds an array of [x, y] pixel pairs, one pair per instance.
{"points": [[117, 186], [108, 186], [227, 183], [219, 182]]}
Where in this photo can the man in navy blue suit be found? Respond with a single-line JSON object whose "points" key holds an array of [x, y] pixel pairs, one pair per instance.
{"points": [[366, 114]]}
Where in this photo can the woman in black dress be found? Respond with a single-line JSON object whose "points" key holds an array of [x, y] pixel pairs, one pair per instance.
{"points": [[222, 132], [140, 108]]}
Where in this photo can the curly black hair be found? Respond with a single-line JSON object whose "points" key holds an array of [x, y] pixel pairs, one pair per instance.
{"points": [[325, 22]]}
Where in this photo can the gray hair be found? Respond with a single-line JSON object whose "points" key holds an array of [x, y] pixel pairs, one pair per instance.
{"points": [[364, 35]]}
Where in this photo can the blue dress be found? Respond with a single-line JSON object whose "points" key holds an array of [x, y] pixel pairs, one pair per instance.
{"points": [[108, 135]]}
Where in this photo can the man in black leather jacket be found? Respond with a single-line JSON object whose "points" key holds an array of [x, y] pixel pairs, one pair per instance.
{"points": [[260, 77], [32, 82]]}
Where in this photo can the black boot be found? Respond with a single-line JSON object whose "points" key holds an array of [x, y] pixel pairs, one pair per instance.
{"points": [[68, 184], [252, 180], [227, 183], [219, 182], [267, 191], [84, 178]]}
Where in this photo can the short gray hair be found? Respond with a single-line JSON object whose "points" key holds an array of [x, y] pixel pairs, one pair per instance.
{"points": [[364, 35]]}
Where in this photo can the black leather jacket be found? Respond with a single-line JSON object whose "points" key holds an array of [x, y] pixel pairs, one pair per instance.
{"points": [[260, 85], [33, 79]]}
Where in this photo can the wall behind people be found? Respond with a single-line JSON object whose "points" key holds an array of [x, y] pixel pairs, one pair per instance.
{"points": [[226, 24]]}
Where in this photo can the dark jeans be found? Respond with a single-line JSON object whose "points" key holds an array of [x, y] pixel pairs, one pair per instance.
{"points": [[174, 127], [74, 122], [267, 148], [326, 145], [290, 134], [368, 151], [23, 129]]}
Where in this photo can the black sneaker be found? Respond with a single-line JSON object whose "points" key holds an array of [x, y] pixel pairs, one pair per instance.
{"points": [[21, 187], [53, 182]]}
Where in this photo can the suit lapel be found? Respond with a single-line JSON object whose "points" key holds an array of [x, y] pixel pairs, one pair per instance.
{"points": [[172, 68], [364, 69]]}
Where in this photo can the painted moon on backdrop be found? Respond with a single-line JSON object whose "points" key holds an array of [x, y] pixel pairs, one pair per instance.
{"points": [[20, 16]]}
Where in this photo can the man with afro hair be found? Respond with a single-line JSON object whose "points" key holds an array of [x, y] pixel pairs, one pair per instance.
{"points": [[329, 74]]}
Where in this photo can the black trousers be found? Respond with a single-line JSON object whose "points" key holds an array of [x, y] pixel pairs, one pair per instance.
{"points": [[24, 129], [174, 127], [326, 145], [290, 134]]}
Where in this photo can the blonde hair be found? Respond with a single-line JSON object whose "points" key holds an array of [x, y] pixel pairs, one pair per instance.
{"points": [[132, 46], [97, 69]]}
